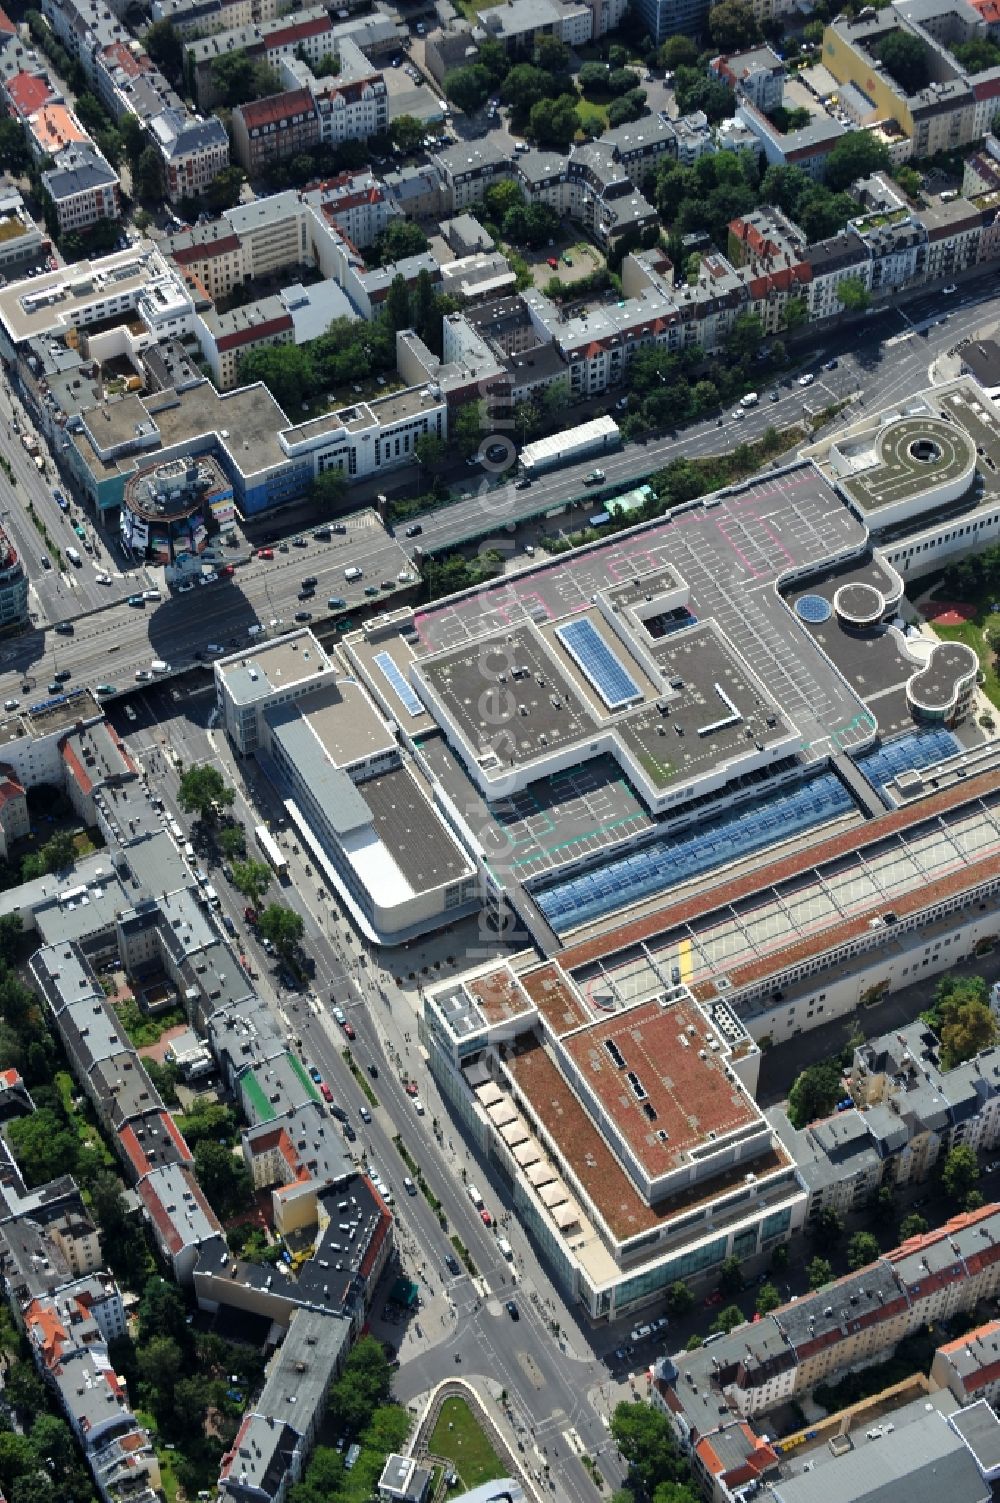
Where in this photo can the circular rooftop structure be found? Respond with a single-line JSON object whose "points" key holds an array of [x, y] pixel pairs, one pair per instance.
{"points": [[941, 690], [859, 605], [166, 509], [920, 461], [814, 609]]}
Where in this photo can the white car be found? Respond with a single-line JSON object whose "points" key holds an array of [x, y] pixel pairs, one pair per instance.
{"points": [[11, 704], [143, 675], [209, 577], [947, 291], [339, 1015], [807, 379], [102, 577], [418, 1106]]}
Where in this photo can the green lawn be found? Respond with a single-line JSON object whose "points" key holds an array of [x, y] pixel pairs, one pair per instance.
{"points": [[458, 1437], [592, 113], [973, 634]]}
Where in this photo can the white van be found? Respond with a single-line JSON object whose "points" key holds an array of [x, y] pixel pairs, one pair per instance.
{"points": [[211, 895], [176, 830], [74, 557], [475, 1197], [506, 1249], [159, 666], [750, 400], [189, 850], [352, 574]]}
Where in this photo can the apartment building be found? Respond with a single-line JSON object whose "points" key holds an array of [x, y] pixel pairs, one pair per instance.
{"points": [[757, 75], [194, 152], [356, 204], [308, 34], [272, 129], [83, 188]]}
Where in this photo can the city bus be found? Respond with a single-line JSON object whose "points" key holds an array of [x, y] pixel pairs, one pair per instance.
{"points": [[271, 852]]}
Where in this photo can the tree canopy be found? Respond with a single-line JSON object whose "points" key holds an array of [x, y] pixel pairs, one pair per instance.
{"points": [[646, 1441], [905, 56], [732, 26], [962, 1018], [203, 792], [251, 878], [282, 926], [815, 1093]]}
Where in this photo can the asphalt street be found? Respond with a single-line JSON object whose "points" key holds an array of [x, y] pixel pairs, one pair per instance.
{"points": [[552, 1382]]}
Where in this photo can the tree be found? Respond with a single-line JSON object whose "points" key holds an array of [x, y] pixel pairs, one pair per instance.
{"points": [[17, 1459], [853, 294], [469, 428], [165, 47], [814, 1093], [223, 192], [33, 1487], [730, 1275], [108, 1202], [232, 841], [401, 238], [913, 1225], [14, 151], [768, 1299], [285, 369], [819, 1272], [732, 26], [554, 122], [728, 1318], [329, 489], [223, 1177], [500, 197], [161, 1361], [593, 77], [857, 154], [746, 337], [678, 52], [53, 1441], [680, 1300], [161, 1312], [407, 132], [237, 78], [430, 451], [779, 1258], [828, 1227], [364, 1384], [959, 1173], [397, 305], [904, 56], [43, 1146], [252, 879], [646, 1442], [967, 1025], [552, 54], [796, 313], [468, 88], [694, 90], [630, 106], [147, 175], [202, 791], [862, 1249], [524, 86], [24, 1390], [282, 926], [620, 81]]}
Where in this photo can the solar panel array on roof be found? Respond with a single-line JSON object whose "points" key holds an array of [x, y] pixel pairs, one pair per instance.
{"points": [[594, 657], [404, 691]]}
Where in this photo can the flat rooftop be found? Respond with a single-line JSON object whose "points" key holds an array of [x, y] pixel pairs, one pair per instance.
{"points": [[35, 306], [911, 454], [661, 1078], [409, 828], [728, 553], [254, 674], [345, 722]]}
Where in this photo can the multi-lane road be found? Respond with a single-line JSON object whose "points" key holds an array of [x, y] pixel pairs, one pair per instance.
{"points": [[551, 1381], [873, 369]]}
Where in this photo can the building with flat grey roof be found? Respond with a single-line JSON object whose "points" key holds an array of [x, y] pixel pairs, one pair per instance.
{"points": [[368, 815]]}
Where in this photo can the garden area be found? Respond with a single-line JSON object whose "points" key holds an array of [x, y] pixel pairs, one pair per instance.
{"points": [[965, 607], [459, 1438]]}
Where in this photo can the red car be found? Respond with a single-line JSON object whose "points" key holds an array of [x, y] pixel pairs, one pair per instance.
{"points": [[485, 1217], [325, 1091], [411, 1088], [227, 571], [551, 261], [715, 1298], [250, 915], [349, 1030], [265, 552]]}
